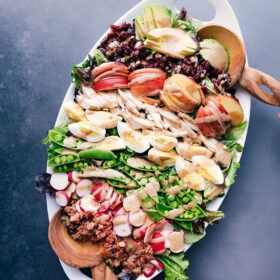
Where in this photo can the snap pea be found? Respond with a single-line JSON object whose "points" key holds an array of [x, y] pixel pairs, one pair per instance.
{"points": [[130, 184], [79, 165], [97, 154], [125, 158], [62, 159], [111, 163]]}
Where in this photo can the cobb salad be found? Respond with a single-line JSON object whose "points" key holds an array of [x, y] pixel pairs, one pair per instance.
{"points": [[150, 140]]}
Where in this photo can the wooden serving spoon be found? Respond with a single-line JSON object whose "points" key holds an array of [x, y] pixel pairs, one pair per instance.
{"points": [[251, 79], [77, 254]]}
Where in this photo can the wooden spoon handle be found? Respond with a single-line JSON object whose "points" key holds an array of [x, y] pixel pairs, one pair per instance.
{"points": [[252, 79], [102, 272]]}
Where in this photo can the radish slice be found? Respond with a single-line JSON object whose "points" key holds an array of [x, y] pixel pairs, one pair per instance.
{"points": [[104, 218], [104, 206], [109, 194], [100, 191], [149, 270], [89, 204], [121, 211], [149, 233], [116, 209], [158, 243], [123, 230], [138, 218], [139, 233], [62, 199], [159, 265], [164, 227], [130, 202], [118, 201], [59, 181], [122, 227], [78, 206], [71, 189], [120, 219], [176, 241], [84, 187], [73, 176]]}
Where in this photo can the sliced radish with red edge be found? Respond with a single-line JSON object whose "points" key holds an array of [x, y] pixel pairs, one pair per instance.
{"points": [[59, 181], [84, 187], [62, 199]]}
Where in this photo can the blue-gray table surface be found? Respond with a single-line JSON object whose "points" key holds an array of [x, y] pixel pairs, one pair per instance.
{"points": [[39, 41]]}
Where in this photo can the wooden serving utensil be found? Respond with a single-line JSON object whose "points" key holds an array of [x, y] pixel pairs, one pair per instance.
{"points": [[251, 79], [77, 254]]}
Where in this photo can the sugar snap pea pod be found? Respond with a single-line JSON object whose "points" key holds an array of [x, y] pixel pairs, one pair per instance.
{"points": [[63, 159], [65, 151], [111, 163], [186, 216], [79, 165], [71, 142], [97, 154], [130, 184], [140, 164], [56, 137]]}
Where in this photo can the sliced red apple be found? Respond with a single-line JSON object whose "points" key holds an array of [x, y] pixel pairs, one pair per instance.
{"points": [[59, 181], [140, 232], [110, 83], [147, 71], [62, 198], [84, 187], [89, 204], [149, 270], [233, 108], [212, 119], [109, 66], [137, 219]]}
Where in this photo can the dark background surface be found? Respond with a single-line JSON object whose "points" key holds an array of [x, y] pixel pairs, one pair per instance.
{"points": [[39, 41]]}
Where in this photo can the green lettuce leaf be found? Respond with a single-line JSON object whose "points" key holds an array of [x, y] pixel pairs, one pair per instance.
{"points": [[192, 237], [236, 132], [174, 266], [231, 172]]}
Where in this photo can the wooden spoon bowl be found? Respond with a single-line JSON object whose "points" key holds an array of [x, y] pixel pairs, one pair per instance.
{"points": [[77, 254], [251, 79]]}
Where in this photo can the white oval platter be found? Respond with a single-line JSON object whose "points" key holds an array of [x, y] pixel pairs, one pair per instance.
{"points": [[224, 15]]}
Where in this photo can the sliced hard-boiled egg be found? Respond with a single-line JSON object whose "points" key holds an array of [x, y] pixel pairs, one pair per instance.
{"points": [[87, 131], [133, 139], [189, 175], [74, 111], [103, 119], [163, 142], [208, 169], [111, 143], [187, 151], [162, 158]]}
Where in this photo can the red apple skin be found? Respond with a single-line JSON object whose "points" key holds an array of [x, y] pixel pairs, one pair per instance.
{"points": [[108, 66], [150, 87], [109, 83], [212, 129]]}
